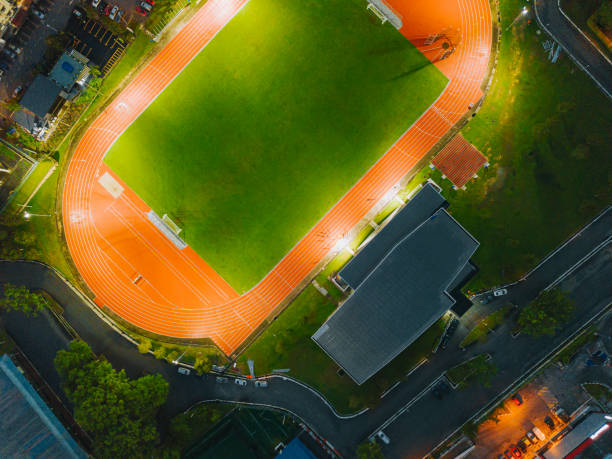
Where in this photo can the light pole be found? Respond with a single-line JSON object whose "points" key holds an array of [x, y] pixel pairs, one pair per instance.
{"points": [[27, 215], [523, 12]]}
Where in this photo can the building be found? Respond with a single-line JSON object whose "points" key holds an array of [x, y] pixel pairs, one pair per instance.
{"points": [[590, 438], [400, 284], [8, 10], [28, 428], [46, 95]]}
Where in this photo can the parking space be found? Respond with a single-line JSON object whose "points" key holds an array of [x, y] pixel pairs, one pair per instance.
{"points": [[45, 18], [96, 42]]}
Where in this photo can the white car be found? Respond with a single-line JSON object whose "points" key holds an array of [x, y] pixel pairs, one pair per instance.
{"points": [[500, 292], [95, 3], [261, 383], [380, 434], [240, 382], [184, 371], [113, 12]]}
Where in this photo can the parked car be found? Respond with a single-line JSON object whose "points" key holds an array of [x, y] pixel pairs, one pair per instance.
{"points": [[221, 379], [532, 438], [517, 399], [538, 433], [4, 66], [78, 12], [549, 422], [445, 340], [140, 11], [95, 3], [516, 452], [108, 9], [10, 54], [150, 2], [440, 390], [261, 383], [17, 91], [452, 327], [118, 17], [15, 49], [486, 299], [522, 446], [146, 6], [113, 12], [39, 14], [561, 414], [380, 434], [508, 454], [240, 382], [184, 371], [500, 292]]}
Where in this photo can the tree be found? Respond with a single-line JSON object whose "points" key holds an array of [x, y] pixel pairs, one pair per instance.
{"points": [[369, 450], [117, 411], [547, 313], [144, 346], [19, 298], [159, 352], [93, 87]]}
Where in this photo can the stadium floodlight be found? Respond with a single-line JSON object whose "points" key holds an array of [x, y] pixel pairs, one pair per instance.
{"points": [[525, 11], [341, 244]]}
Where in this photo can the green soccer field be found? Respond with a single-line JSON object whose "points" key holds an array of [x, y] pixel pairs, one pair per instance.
{"points": [[267, 128]]}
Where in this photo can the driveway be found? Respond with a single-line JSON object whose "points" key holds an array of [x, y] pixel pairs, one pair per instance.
{"points": [[575, 43], [413, 419]]}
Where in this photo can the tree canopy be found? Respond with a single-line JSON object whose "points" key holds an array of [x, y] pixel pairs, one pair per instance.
{"points": [[19, 298], [547, 313], [118, 411]]}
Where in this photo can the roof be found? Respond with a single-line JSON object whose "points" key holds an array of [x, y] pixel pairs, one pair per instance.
{"points": [[25, 119], [40, 96], [296, 450], [66, 71], [28, 428], [459, 160], [420, 207], [400, 299], [579, 442]]}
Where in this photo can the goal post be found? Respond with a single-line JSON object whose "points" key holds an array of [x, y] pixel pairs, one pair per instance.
{"points": [[173, 226], [384, 12]]}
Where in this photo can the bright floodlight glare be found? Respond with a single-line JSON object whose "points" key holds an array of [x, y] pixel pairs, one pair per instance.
{"points": [[525, 10], [26, 214], [341, 244], [609, 418]]}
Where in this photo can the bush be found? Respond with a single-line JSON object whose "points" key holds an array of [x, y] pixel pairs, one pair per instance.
{"points": [[144, 346]]}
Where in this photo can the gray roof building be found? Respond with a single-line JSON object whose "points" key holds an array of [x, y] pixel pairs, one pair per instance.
{"points": [[400, 286], [40, 96], [28, 428]]}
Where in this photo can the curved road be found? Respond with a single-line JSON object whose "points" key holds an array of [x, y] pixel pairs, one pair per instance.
{"points": [[558, 25], [426, 421]]}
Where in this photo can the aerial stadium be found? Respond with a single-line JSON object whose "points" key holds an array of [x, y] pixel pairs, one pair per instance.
{"points": [[214, 185]]}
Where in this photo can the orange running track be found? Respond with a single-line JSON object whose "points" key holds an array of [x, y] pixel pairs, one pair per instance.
{"points": [[134, 270]]}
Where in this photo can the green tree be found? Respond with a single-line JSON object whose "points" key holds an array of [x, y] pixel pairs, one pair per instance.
{"points": [[93, 87], [144, 346], [369, 450], [481, 371], [159, 352], [19, 298], [117, 411], [547, 313]]}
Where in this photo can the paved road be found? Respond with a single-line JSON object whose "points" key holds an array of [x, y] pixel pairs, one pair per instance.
{"points": [[576, 44], [413, 433]]}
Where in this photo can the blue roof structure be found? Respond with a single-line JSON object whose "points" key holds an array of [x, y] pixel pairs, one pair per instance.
{"points": [[66, 71], [296, 450], [28, 428]]}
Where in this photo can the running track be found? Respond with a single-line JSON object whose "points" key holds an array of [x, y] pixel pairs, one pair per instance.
{"points": [[113, 243]]}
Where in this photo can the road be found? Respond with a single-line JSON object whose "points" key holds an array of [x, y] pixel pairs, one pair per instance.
{"points": [[575, 43], [417, 430]]}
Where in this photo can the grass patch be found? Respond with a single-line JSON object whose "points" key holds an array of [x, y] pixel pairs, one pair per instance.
{"points": [[545, 129], [490, 323], [29, 186], [477, 369], [569, 351], [599, 392], [269, 126], [287, 343], [386, 211], [361, 237]]}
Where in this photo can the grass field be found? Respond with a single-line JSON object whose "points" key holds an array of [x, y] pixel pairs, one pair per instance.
{"points": [[270, 125], [546, 130]]}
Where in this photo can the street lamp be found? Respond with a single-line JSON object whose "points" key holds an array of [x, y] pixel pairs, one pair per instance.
{"points": [[523, 12], [27, 215]]}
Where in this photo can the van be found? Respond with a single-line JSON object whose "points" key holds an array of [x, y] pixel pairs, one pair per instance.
{"points": [[538, 433]]}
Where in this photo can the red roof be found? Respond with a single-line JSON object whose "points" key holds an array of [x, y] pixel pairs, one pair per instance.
{"points": [[459, 160]]}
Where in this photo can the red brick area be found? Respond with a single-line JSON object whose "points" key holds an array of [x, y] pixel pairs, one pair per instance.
{"points": [[459, 161]]}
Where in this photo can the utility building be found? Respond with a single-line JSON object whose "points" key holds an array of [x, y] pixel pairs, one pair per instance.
{"points": [[400, 283]]}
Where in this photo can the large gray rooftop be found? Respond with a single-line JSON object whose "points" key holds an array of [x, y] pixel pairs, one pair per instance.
{"points": [[40, 96], [28, 428], [401, 297], [420, 207]]}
